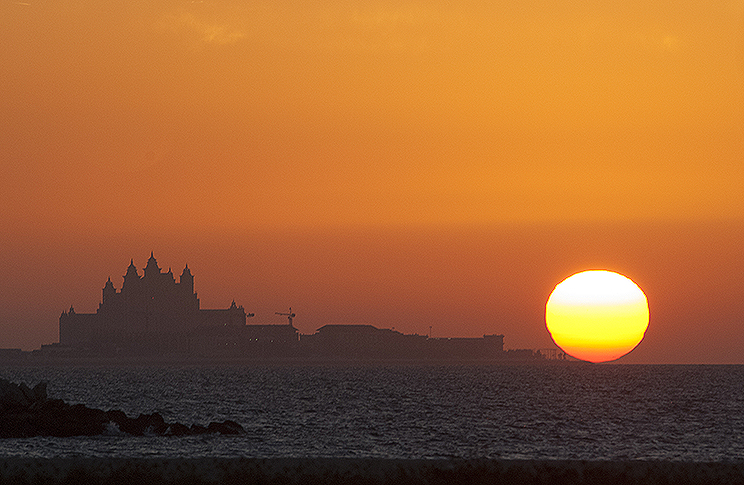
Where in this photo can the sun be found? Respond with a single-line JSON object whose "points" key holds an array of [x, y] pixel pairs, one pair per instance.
{"points": [[597, 315]]}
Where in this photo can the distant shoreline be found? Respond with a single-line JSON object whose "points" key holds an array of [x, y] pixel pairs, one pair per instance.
{"points": [[370, 471], [248, 361]]}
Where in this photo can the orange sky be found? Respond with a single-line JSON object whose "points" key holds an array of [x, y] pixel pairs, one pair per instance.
{"points": [[397, 163]]}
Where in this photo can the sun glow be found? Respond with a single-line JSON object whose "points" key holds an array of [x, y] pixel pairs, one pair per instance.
{"points": [[597, 315]]}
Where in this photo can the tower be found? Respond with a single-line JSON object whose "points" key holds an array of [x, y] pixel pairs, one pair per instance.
{"points": [[186, 280], [109, 292], [131, 275], [152, 266]]}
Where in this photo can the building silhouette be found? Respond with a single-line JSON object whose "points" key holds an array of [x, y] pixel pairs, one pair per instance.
{"points": [[152, 313], [155, 315], [366, 342]]}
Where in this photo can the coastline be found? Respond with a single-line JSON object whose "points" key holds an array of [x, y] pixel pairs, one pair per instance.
{"points": [[166, 360], [370, 471]]}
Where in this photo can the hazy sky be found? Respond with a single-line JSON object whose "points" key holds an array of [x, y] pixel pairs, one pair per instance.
{"points": [[403, 164]]}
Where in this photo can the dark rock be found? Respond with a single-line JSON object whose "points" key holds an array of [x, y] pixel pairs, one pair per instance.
{"points": [[84, 421], [40, 391], [26, 412], [117, 416], [17, 425], [11, 396], [51, 406], [178, 429], [28, 394], [144, 424], [226, 427], [56, 418]]}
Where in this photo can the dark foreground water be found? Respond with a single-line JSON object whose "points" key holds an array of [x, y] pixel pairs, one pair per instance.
{"points": [[567, 412]]}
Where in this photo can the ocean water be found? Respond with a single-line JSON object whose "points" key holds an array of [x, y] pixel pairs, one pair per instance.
{"points": [[563, 411]]}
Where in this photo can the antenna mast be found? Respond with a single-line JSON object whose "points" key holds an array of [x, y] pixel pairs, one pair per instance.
{"points": [[289, 315]]}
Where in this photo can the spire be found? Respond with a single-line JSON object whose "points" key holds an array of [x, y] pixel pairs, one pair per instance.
{"points": [[131, 271], [152, 265], [186, 278], [108, 291], [186, 271]]}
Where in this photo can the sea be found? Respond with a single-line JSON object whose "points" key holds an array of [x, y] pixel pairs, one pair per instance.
{"points": [[561, 411]]}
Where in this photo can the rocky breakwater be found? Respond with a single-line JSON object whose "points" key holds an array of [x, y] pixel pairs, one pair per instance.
{"points": [[26, 412]]}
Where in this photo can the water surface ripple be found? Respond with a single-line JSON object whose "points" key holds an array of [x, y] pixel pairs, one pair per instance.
{"points": [[591, 412]]}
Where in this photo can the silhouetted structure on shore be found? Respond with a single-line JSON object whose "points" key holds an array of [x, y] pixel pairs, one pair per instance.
{"points": [[365, 342], [153, 315]]}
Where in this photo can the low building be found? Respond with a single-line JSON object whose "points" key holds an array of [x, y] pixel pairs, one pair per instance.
{"points": [[366, 342], [488, 347], [262, 341]]}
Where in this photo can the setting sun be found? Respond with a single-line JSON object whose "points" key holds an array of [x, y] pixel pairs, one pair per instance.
{"points": [[597, 315]]}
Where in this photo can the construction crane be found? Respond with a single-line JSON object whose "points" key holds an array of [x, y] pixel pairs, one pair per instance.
{"points": [[289, 315]]}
